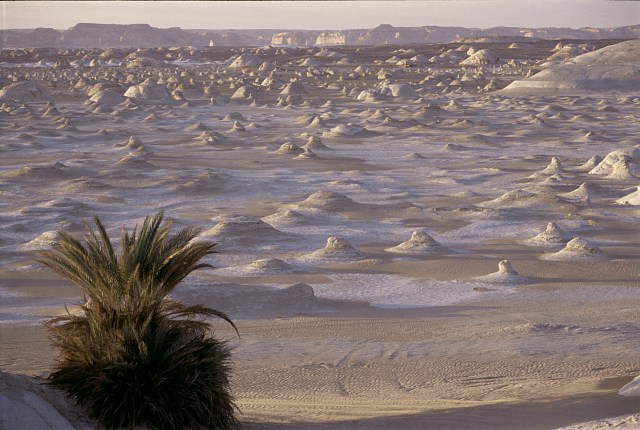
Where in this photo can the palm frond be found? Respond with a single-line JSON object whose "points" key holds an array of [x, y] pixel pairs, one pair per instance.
{"points": [[129, 353]]}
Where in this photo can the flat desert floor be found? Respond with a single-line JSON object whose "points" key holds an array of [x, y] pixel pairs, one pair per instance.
{"points": [[401, 244]]}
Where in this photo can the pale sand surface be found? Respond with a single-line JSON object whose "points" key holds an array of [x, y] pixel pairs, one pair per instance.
{"points": [[376, 338]]}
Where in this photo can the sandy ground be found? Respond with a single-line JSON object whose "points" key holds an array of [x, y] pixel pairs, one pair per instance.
{"points": [[396, 223]]}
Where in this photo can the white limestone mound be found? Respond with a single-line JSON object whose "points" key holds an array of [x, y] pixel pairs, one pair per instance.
{"points": [[148, 91], [403, 91], [414, 156], [306, 154], [314, 143], [244, 92], [551, 236], [237, 127], [582, 194], [289, 148], [592, 136], [50, 171], [632, 199], [554, 167], [268, 266], [346, 130], [299, 291], [483, 57], [209, 137], [140, 158], [506, 274], [337, 248], [328, 201], [540, 196], [242, 225], [234, 116], [577, 249], [632, 389], [614, 67], [132, 143], [246, 60], [25, 91], [204, 183], [108, 96], [316, 121], [622, 422], [45, 240], [286, 217], [26, 404], [590, 164], [371, 96], [619, 164], [293, 88], [509, 199], [419, 243]]}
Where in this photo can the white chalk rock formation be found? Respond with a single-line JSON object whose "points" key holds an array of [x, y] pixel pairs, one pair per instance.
{"points": [[403, 91], [244, 229], [582, 194], [483, 57], [619, 164], [632, 389], [107, 96], [590, 164], [299, 290], [419, 243], [506, 274], [268, 266], [314, 143], [632, 199], [288, 148], [346, 130], [45, 240], [148, 91], [614, 67], [551, 236], [338, 248], [327, 200], [25, 91], [246, 60], [554, 167], [577, 249]]}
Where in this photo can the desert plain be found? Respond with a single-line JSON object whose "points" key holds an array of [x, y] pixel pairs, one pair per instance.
{"points": [[415, 237]]}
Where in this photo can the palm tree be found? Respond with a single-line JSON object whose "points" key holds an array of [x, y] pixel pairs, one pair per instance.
{"points": [[131, 355]]}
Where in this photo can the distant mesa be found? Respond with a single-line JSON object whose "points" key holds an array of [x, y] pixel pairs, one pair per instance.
{"points": [[89, 35]]}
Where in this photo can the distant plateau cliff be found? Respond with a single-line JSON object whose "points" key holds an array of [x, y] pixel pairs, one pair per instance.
{"points": [[144, 35]]}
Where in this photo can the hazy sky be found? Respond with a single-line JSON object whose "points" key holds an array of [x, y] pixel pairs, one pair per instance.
{"points": [[322, 15]]}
